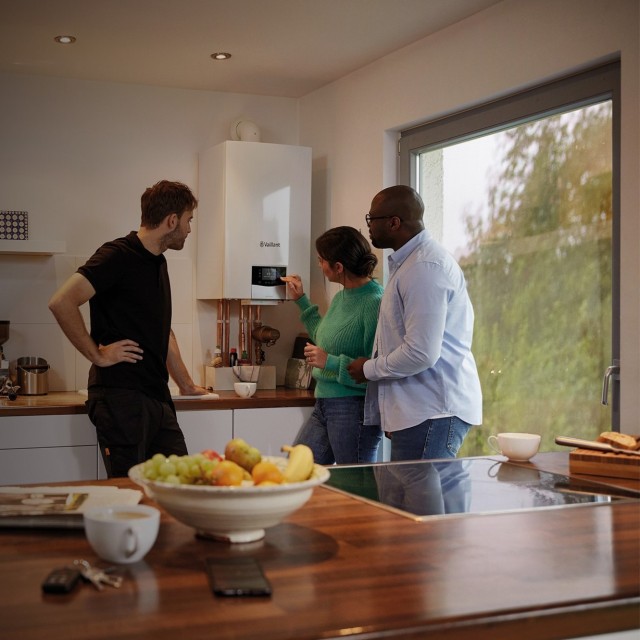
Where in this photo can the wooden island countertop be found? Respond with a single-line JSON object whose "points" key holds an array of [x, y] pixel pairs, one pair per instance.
{"points": [[342, 568]]}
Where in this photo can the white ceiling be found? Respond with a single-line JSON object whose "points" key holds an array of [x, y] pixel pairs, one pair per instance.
{"points": [[279, 47]]}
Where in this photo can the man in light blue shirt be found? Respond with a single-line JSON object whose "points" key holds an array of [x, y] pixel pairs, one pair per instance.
{"points": [[423, 385]]}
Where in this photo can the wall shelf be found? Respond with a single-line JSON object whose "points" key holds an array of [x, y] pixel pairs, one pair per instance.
{"points": [[32, 247]]}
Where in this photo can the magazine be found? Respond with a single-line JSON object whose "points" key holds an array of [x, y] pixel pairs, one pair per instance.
{"points": [[58, 506]]}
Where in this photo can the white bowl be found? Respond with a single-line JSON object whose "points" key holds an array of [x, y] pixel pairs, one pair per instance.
{"points": [[245, 389], [232, 514]]}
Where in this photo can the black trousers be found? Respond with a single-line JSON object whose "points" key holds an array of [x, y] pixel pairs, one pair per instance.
{"points": [[132, 427]]}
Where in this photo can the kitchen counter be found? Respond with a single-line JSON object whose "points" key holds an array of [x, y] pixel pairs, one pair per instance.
{"points": [[71, 402], [340, 567]]}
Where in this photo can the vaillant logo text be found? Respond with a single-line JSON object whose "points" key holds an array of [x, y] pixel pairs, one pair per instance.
{"points": [[269, 244]]}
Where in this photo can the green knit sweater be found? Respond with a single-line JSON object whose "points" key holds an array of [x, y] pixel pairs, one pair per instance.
{"points": [[346, 332]]}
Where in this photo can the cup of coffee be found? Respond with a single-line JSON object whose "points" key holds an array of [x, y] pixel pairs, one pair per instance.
{"points": [[518, 447], [245, 389], [122, 534]]}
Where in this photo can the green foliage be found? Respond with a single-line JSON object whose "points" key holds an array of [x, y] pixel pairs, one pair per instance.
{"points": [[539, 271]]}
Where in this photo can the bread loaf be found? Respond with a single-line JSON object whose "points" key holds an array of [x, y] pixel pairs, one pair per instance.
{"points": [[620, 440]]}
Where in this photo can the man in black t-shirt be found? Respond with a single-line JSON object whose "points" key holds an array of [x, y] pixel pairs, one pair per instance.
{"points": [[131, 345]]}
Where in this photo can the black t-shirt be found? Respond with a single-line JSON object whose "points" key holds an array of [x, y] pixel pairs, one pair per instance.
{"points": [[132, 300]]}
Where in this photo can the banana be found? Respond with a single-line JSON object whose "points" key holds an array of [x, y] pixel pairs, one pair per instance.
{"points": [[300, 464]]}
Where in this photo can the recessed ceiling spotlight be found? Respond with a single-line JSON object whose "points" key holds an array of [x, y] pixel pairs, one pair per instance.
{"points": [[65, 39], [220, 55]]}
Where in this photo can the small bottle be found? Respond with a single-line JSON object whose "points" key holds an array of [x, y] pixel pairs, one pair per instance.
{"points": [[233, 357], [245, 358], [217, 358]]}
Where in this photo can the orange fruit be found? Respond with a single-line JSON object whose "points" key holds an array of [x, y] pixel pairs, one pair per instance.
{"points": [[266, 472], [226, 473]]}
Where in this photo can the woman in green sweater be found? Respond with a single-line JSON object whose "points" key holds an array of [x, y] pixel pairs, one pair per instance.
{"points": [[335, 431]]}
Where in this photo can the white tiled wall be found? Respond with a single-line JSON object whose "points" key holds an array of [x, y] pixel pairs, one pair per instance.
{"points": [[27, 284]]}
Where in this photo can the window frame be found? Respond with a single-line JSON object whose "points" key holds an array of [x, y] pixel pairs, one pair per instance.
{"points": [[573, 91]]}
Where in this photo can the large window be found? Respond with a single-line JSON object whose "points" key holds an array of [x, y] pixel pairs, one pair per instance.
{"points": [[524, 193]]}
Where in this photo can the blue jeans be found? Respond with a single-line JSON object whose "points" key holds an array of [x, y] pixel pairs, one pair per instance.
{"points": [[430, 440], [335, 433]]}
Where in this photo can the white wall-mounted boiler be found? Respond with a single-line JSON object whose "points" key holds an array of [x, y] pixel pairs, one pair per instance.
{"points": [[253, 219]]}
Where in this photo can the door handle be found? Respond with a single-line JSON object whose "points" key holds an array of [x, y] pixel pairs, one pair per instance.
{"points": [[611, 372]]}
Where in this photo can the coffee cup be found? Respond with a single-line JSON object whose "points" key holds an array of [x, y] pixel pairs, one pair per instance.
{"points": [[245, 389], [518, 447], [122, 534]]}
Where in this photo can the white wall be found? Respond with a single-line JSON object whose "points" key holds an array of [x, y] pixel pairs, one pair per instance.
{"points": [[351, 124], [77, 156]]}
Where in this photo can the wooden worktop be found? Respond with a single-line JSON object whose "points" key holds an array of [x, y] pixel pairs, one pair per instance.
{"points": [[71, 402], [342, 568]]}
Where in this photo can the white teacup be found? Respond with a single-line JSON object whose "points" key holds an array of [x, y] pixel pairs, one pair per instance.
{"points": [[245, 389], [518, 447], [122, 534]]}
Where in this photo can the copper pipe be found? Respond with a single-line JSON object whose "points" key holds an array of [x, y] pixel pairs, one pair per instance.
{"points": [[257, 323], [241, 331], [220, 326], [227, 309]]}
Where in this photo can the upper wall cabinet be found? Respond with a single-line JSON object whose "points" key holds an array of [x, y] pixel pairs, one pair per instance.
{"points": [[253, 221]]}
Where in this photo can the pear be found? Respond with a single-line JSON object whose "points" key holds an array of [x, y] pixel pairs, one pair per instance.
{"points": [[243, 454]]}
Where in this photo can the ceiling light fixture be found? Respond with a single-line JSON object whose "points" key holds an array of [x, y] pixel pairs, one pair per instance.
{"points": [[65, 39], [220, 55]]}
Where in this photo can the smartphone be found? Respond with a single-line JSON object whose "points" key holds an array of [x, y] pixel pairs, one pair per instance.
{"points": [[237, 577]]}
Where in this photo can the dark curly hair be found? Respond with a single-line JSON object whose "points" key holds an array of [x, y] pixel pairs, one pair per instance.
{"points": [[164, 198], [349, 247]]}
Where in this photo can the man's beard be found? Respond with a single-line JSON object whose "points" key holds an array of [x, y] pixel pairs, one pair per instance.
{"points": [[174, 240], [375, 243]]}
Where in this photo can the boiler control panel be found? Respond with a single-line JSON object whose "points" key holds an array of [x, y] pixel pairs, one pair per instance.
{"points": [[266, 283]]}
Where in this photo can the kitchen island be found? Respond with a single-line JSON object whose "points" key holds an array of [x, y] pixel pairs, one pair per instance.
{"points": [[341, 567]]}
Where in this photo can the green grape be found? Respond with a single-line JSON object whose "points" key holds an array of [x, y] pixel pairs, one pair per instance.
{"points": [[172, 478], [151, 473], [182, 468], [158, 458], [167, 469]]}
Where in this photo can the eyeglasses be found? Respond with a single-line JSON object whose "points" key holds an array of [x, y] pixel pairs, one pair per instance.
{"points": [[368, 218]]}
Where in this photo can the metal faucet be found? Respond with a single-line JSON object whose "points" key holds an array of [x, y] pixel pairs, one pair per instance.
{"points": [[611, 372]]}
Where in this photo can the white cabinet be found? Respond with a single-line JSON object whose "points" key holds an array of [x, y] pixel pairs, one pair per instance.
{"points": [[206, 429], [254, 215], [269, 429], [64, 448], [44, 465], [56, 448]]}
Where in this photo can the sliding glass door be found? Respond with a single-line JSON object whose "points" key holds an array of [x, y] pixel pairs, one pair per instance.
{"points": [[524, 193]]}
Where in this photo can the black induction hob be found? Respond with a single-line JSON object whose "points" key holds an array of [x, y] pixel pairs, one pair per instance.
{"points": [[425, 489]]}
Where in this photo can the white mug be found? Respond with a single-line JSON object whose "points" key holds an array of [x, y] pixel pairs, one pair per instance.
{"points": [[245, 389], [122, 534], [518, 447]]}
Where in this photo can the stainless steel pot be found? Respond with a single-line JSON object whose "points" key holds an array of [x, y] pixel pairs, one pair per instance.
{"points": [[33, 376]]}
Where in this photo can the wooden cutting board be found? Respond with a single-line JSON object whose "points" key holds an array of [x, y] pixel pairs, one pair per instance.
{"points": [[600, 463]]}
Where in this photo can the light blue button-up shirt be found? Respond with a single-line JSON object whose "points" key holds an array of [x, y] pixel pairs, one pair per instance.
{"points": [[422, 366]]}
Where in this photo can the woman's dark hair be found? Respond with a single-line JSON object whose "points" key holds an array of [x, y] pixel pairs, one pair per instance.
{"points": [[164, 198], [349, 247]]}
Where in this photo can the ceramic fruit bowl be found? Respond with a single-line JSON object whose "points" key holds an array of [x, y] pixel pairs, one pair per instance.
{"points": [[231, 514]]}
